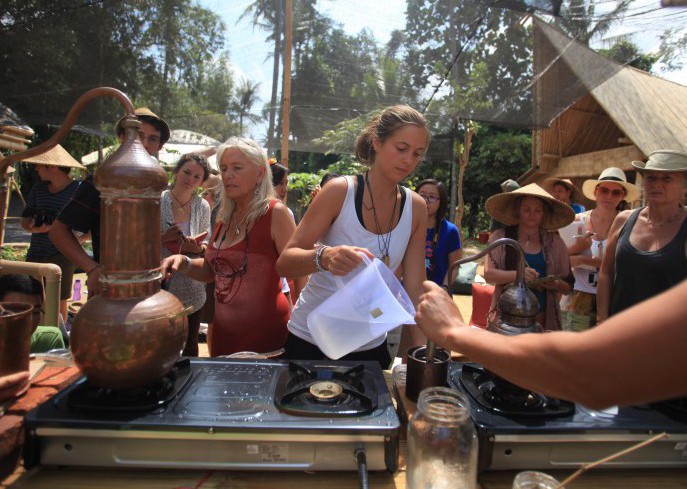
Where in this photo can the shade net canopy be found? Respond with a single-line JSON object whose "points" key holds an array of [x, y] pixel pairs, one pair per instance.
{"points": [[506, 62]]}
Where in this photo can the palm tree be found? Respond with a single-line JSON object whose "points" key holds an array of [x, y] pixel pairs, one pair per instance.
{"points": [[267, 14], [242, 105], [579, 19]]}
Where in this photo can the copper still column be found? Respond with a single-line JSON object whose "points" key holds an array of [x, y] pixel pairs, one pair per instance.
{"points": [[133, 332]]}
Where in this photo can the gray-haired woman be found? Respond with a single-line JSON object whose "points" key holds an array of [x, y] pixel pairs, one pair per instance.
{"points": [[253, 227]]}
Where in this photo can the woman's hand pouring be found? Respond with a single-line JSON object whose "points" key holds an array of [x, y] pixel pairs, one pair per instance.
{"points": [[341, 260]]}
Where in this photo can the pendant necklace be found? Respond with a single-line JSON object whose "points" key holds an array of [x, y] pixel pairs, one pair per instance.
{"points": [[600, 240], [383, 240], [180, 206], [237, 225]]}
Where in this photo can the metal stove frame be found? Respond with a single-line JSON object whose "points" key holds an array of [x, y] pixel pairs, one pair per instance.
{"points": [[568, 442], [284, 443]]}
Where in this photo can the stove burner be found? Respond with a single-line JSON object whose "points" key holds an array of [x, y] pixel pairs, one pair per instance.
{"points": [[531, 400], [326, 391], [480, 385], [152, 396]]}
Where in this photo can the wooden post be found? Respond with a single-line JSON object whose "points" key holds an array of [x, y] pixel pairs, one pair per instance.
{"points": [[286, 86]]}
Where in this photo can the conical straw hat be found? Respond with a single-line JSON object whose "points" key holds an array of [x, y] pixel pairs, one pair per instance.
{"points": [[56, 156], [503, 207]]}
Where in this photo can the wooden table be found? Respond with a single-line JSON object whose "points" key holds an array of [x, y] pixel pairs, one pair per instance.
{"points": [[73, 478], [45, 384]]}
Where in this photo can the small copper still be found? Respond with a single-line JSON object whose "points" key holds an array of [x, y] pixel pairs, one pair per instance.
{"points": [[517, 305], [133, 332]]}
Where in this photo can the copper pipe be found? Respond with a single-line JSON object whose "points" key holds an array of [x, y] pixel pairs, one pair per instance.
{"points": [[49, 272], [66, 126], [520, 271]]}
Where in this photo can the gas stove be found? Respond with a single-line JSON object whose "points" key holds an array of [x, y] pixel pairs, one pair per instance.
{"points": [[546, 433], [225, 414]]}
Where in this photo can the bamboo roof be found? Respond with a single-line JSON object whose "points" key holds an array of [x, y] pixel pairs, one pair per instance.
{"points": [[649, 110], [612, 106]]}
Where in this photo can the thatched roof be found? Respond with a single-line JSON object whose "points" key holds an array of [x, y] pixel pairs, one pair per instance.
{"points": [[607, 111], [649, 110]]}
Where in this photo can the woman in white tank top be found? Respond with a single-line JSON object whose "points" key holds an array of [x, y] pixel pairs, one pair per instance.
{"points": [[368, 214]]}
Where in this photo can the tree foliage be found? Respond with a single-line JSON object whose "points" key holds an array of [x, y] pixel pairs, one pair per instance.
{"points": [[165, 54], [582, 22], [627, 53]]}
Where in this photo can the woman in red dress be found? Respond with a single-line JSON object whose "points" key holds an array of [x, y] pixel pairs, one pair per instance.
{"points": [[252, 228]]}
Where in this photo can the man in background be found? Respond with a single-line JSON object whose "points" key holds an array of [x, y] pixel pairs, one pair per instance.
{"points": [[82, 213]]}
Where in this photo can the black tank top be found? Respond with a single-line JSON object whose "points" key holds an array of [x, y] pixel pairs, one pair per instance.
{"points": [[640, 275]]}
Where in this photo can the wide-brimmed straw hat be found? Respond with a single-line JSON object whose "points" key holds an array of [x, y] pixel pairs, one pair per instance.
{"points": [[575, 194], [146, 112], [57, 156], [503, 208], [668, 160], [611, 175]]}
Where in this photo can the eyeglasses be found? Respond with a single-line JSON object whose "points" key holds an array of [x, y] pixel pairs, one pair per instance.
{"points": [[615, 192], [216, 263], [430, 199]]}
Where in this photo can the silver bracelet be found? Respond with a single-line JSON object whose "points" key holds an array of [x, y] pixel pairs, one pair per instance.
{"points": [[188, 264], [318, 258]]}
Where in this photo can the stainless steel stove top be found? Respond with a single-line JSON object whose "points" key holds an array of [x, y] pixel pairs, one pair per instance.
{"points": [[570, 438], [224, 414]]}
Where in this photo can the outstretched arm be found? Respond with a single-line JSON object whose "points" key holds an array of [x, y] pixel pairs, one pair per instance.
{"points": [[597, 368]]}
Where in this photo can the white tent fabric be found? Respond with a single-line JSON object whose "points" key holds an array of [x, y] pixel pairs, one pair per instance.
{"points": [[180, 142]]}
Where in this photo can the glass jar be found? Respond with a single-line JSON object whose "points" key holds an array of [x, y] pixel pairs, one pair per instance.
{"points": [[442, 443], [534, 480]]}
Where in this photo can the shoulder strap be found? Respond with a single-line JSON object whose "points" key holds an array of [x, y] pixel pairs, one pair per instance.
{"points": [[404, 195], [359, 199]]}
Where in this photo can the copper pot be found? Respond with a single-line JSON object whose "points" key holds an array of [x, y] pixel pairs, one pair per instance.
{"points": [[128, 343], [133, 332], [15, 337]]}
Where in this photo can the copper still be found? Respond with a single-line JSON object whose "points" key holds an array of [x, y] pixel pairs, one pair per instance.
{"points": [[133, 332], [517, 305], [517, 314]]}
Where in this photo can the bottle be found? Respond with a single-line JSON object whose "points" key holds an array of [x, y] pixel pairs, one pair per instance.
{"points": [[77, 290], [442, 442]]}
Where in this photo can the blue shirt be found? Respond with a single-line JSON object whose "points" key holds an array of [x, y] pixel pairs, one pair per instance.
{"points": [[437, 250], [577, 208], [537, 262]]}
